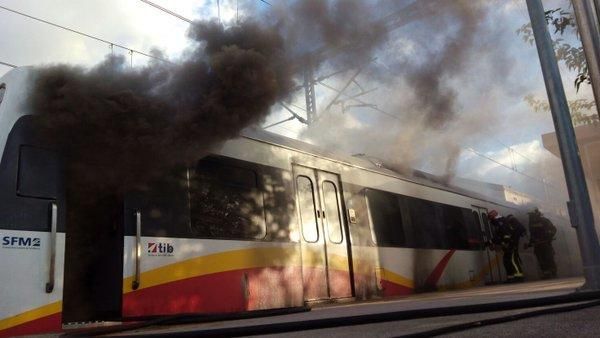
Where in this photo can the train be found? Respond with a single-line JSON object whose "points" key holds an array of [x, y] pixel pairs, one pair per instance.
{"points": [[263, 222]]}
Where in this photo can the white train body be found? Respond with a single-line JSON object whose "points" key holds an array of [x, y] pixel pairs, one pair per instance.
{"points": [[265, 222]]}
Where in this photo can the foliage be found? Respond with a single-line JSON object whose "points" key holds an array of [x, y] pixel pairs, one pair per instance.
{"points": [[572, 57], [580, 109]]}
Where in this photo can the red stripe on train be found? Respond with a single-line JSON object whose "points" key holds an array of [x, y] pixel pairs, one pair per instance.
{"points": [[391, 289], [435, 275], [231, 291]]}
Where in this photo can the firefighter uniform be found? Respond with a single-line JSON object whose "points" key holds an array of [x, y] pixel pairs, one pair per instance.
{"points": [[542, 233], [508, 233]]}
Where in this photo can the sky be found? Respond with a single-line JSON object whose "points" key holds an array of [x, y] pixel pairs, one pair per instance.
{"points": [[492, 131]]}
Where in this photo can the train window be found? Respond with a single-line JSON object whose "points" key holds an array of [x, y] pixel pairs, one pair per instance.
{"points": [[426, 224], [457, 234], [332, 212], [486, 226], [38, 173], [476, 219], [30, 178], [164, 207], [306, 203], [226, 202], [280, 205], [386, 218], [475, 237], [2, 91]]}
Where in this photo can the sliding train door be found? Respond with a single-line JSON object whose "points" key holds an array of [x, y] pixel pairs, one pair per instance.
{"points": [[325, 256], [493, 271]]}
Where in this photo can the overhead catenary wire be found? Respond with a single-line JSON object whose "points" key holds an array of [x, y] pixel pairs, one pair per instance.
{"points": [[374, 107], [510, 168], [280, 122], [181, 17], [110, 43], [8, 64], [168, 11]]}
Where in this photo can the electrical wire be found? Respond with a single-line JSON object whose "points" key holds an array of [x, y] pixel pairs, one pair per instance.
{"points": [[170, 12], [110, 43], [280, 122], [511, 168], [7, 64], [514, 169]]}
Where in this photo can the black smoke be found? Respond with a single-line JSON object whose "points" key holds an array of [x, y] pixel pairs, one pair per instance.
{"points": [[434, 97], [119, 127]]}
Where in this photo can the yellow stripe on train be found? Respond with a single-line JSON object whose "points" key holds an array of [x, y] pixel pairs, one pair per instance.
{"points": [[30, 315], [215, 263], [233, 260]]}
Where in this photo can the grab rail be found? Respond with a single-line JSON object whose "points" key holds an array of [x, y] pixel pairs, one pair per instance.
{"points": [[53, 225], [138, 249]]}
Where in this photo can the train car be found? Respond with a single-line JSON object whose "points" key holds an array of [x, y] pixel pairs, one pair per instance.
{"points": [[264, 222]]}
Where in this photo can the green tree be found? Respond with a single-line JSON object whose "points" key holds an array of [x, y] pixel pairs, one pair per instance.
{"points": [[563, 22]]}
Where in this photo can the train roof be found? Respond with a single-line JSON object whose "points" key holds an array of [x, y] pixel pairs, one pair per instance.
{"points": [[367, 163]]}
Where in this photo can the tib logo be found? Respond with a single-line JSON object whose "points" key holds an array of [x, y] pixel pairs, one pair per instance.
{"points": [[160, 249]]}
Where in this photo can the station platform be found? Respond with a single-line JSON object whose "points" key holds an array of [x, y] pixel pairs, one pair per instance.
{"points": [[424, 314]]}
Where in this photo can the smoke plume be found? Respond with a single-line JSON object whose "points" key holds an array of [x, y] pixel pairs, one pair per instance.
{"points": [[346, 32], [435, 98], [424, 124], [123, 126]]}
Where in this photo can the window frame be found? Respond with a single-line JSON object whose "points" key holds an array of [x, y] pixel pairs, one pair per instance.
{"points": [[314, 202], [374, 227], [2, 93], [337, 211], [259, 189]]}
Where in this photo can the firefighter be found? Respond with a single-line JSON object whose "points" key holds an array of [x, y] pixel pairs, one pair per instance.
{"points": [[542, 233], [508, 233]]}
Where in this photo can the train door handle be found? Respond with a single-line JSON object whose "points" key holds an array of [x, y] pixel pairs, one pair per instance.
{"points": [[52, 264], [138, 249]]}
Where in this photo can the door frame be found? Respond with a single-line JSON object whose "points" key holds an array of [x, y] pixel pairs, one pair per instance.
{"points": [[321, 226], [486, 228]]}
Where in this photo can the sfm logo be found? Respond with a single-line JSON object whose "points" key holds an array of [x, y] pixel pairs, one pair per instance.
{"points": [[18, 242], [160, 249]]}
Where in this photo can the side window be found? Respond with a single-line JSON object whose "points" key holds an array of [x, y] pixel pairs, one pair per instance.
{"points": [[456, 228], [475, 236], [306, 203], [31, 178], [476, 219], [426, 226], [164, 206], [332, 212], [2, 91], [280, 204], [386, 218], [226, 202], [38, 174], [486, 225]]}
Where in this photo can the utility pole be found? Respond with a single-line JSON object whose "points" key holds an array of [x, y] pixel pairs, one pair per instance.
{"points": [[586, 14], [580, 208]]}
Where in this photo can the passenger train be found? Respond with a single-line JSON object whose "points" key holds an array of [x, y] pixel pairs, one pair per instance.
{"points": [[264, 222]]}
